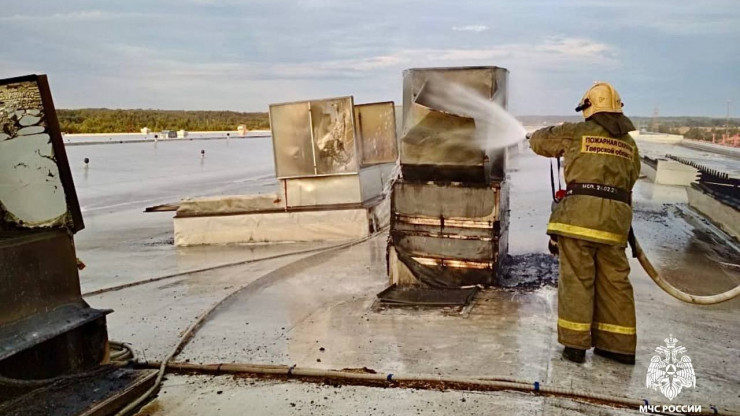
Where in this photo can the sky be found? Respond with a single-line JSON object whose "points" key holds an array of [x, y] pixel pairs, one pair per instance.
{"points": [[681, 56]]}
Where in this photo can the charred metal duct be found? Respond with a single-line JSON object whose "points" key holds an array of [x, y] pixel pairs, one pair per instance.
{"points": [[438, 141], [449, 209], [46, 328], [332, 152]]}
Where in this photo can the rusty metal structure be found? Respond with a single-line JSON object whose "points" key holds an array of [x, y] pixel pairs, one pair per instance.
{"points": [[46, 328], [449, 209]]}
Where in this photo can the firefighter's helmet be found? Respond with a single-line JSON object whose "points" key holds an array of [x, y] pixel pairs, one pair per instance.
{"points": [[602, 97]]}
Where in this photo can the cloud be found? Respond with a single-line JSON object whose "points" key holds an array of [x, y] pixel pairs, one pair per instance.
{"points": [[245, 54], [665, 16], [694, 25], [575, 47], [550, 51], [170, 78], [81, 15], [141, 62], [470, 28]]}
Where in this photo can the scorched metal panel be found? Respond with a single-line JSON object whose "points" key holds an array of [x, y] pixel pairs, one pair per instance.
{"points": [[376, 127], [446, 201], [291, 139], [314, 138], [486, 80], [36, 187], [446, 247], [332, 121], [323, 190]]}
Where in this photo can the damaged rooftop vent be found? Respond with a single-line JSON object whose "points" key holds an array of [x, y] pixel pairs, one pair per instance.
{"points": [[449, 218]]}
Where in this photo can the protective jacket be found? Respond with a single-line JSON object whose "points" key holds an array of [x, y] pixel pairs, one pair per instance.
{"points": [[596, 151]]}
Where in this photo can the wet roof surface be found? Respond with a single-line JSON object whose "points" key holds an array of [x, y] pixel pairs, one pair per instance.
{"points": [[286, 311]]}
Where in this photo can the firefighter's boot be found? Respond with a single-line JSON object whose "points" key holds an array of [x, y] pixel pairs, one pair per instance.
{"points": [[620, 358], [574, 354]]}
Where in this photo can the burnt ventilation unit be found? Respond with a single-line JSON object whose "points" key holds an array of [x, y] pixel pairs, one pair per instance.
{"points": [[449, 209], [333, 160], [332, 152]]}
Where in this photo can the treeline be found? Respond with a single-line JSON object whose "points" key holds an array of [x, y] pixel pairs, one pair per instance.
{"points": [[103, 120], [697, 128], [704, 133]]}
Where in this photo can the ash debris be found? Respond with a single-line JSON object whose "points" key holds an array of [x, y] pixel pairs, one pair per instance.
{"points": [[529, 271], [160, 241], [653, 214]]}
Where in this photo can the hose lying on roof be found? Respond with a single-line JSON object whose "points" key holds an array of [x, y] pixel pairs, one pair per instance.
{"points": [[420, 381], [36, 383], [120, 354], [674, 291], [120, 351], [193, 328]]}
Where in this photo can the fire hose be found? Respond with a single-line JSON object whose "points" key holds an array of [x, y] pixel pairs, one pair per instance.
{"points": [[120, 355], [674, 291], [189, 333], [366, 377]]}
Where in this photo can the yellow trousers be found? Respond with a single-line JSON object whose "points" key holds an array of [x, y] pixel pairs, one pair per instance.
{"points": [[596, 306]]}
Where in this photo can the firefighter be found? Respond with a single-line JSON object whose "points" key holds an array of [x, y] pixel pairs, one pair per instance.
{"points": [[591, 225]]}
